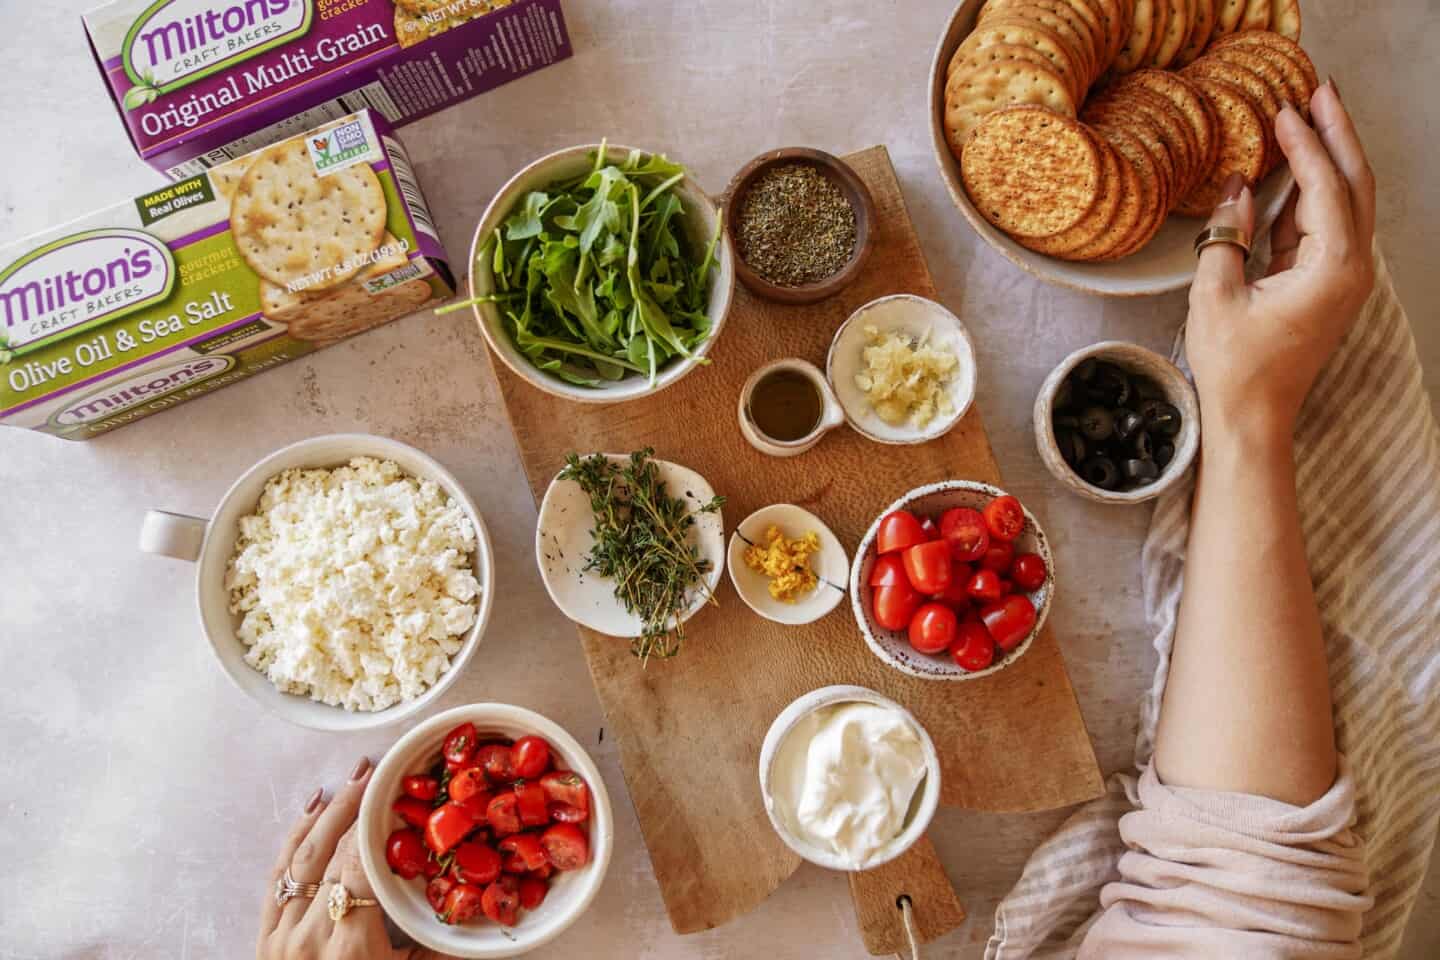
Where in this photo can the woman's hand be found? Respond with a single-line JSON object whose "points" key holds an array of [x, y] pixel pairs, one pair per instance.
{"points": [[1256, 349], [320, 848]]}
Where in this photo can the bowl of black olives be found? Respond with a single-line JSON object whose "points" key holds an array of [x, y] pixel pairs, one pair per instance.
{"points": [[1117, 423]]}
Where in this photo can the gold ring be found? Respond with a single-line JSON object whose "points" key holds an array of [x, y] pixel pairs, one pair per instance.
{"points": [[1231, 235], [287, 888], [342, 901]]}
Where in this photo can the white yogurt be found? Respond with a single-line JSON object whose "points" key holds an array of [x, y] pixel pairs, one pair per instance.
{"points": [[844, 777]]}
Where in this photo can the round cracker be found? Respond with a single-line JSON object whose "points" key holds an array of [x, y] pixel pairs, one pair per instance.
{"points": [[1148, 133], [1127, 213], [972, 94], [1278, 43], [1242, 145], [1137, 41], [1174, 128], [1060, 20], [1157, 34], [1256, 15], [1228, 14], [1030, 171], [1071, 243], [1151, 201], [1283, 74], [1115, 20], [292, 225], [1027, 33], [1202, 23], [1177, 30], [1262, 98], [1285, 18], [1191, 104], [978, 57]]}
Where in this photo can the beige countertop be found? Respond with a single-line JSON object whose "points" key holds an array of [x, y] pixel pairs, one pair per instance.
{"points": [[146, 797]]}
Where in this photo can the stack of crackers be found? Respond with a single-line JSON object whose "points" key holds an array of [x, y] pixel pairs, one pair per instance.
{"points": [[1093, 176]]}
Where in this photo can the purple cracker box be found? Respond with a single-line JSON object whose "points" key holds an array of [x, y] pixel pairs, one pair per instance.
{"points": [[201, 82]]}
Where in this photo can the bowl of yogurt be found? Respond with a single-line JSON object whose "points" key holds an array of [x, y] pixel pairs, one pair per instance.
{"points": [[849, 778]]}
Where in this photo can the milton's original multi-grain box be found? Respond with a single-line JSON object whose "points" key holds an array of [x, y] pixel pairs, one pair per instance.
{"points": [[158, 300], [200, 82]]}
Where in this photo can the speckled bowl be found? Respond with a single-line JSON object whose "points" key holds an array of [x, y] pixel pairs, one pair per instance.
{"points": [[893, 646]]}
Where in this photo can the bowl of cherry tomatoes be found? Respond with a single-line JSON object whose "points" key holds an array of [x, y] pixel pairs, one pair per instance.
{"points": [[953, 581], [486, 831]]}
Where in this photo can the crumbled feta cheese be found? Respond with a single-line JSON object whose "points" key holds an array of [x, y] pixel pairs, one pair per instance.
{"points": [[354, 585]]}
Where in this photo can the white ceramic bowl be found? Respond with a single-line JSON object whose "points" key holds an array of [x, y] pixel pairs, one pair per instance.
{"points": [[893, 646], [830, 564], [916, 318], [1166, 263], [563, 539], [922, 806], [211, 543], [700, 220], [1135, 359], [571, 892]]}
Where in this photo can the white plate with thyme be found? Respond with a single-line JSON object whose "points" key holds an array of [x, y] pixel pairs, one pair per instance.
{"points": [[576, 547]]}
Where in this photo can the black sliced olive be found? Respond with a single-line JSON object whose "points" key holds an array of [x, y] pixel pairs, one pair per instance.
{"points": [[1064, 395], [1101, 472], [1097, 423], [1127, 422], [1140, 445], [1163, 418], [1164, 453], [1140, 471], [1066, 421], [1111, 385], [1072, 446], [1084, 371]]}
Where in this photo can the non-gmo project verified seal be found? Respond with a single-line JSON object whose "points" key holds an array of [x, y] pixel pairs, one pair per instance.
{"points": [[338, 148]]}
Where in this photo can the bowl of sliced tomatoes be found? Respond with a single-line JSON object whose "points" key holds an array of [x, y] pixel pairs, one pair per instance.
{"points": [[486, 831], [953, 581]]}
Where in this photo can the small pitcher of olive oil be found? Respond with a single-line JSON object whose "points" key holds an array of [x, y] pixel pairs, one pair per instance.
{"points": [[787, 406]]}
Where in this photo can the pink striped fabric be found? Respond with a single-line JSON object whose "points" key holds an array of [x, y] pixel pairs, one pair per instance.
{"points": [[1368, 478]]}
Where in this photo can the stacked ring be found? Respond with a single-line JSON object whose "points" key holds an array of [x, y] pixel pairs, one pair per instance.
{"points": [[1231, 235], [287, 888]]}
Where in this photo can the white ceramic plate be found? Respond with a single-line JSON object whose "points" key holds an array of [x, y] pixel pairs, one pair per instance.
{"points": [[563, 539], [1166, 263], [918, 319], [831, 565], [893, 646]]}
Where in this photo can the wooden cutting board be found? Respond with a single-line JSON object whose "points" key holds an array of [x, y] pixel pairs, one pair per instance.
{"points": [[689, 729]]}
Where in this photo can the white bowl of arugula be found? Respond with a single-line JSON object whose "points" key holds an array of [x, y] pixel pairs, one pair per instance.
{"points": [[601, 273]]}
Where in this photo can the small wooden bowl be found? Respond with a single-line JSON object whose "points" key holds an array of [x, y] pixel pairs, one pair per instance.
{"points": [[849, 183]]}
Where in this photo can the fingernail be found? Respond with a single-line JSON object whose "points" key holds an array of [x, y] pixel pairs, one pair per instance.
{"points": [[314, 800], [1234, 186], [1333, 85], [360, 769]]}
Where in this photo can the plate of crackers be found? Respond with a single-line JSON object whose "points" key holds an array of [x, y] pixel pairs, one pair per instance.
{"points": [[1089, 140]]}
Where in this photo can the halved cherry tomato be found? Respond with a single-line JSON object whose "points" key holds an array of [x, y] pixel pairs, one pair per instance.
{"points": [[964, 529], [421, 788], [476, 863], [531, 803], [405, 853], [889, 570], [463, 903], [460, 746], [495, 759], [984, 586], [529, 757], [467, 782], [999, 557], [447, 826], [1028, 571], [898, 531], [1005, 518], [928, 566], [527, 846], [932, 629], [501, 901], [564, 813], [503, 814], [532, 892], [436, 891], [894, 606], [478, 804], [1009, 620], [567, 787], [932, 532], [566, 846], [412, 811], [973, 649]]}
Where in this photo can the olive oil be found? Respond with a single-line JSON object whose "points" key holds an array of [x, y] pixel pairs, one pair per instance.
{"points": [[785, 405]]}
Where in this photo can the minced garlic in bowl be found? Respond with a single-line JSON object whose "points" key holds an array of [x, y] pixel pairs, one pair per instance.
{"points": [[904, 379], [786, 562]]}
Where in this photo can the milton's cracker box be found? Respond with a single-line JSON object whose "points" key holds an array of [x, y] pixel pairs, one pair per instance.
{"points": [[200, 82], [189, 288]]}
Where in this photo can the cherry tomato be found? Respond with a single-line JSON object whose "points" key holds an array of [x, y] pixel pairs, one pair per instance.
{"points": [[1029, 571], [999, 557], [414, 812], [447, 826], [421, 788], [463, 903], [1009, 620], [527, 847], [566, 846], [495, 759], [564, 813], [932, 629], [567, 787], [889, 570], [436, 891], [532, 892], [955, 596], [501, 901], [1004, 518], [928, 566], [476, 863], [932, 532], [894, 606], [532, 803], [460, 746], [973, 649], [529, 757], [478, 804], [503, 814], [898, 531], [405, 853], [514, 863], [984, 586], [467, 782], [432, 868], [964, 529]]}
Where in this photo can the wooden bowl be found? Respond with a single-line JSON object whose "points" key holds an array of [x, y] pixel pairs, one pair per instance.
{"points": [[849, 183]]}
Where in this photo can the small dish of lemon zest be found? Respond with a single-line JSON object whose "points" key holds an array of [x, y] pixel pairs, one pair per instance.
{"points": [[786, 562]]}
